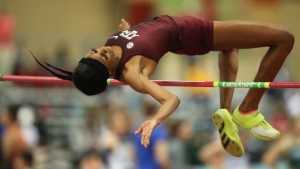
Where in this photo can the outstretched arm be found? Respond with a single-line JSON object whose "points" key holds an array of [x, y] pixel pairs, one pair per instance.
{"points": [[169, 102], [124, 25], [228, 68]]}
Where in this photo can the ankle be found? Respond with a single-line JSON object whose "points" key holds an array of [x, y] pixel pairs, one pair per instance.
{"points": [[227, 107], [248, 109], [248, 112]]}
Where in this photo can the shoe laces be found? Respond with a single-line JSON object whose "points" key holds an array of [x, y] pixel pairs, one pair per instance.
{"points": [[265, 124]]}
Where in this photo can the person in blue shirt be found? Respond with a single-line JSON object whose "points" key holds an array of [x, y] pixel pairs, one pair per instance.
{"points": [[155, 156]]}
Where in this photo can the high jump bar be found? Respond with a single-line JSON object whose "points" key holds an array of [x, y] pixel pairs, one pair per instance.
{"points": [[175, 83]]}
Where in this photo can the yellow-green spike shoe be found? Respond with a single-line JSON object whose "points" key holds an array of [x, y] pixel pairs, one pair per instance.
{"points": [[256, 124], [228, 132]]}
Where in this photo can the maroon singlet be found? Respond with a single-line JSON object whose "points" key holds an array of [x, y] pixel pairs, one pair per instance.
{"points": [[181, 35]]}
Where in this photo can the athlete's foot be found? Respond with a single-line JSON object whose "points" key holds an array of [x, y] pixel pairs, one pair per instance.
{"points": [[228, 132], [255, 123]]}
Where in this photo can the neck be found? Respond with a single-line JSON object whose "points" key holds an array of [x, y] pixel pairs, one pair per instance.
{"points": [[118, 53]]}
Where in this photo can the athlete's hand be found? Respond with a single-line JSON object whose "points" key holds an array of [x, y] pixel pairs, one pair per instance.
{"points": [[146, 129], [124, 25]]}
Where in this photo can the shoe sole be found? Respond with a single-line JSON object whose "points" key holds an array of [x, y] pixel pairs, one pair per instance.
{"points": [[255, 135], [232, 145]]}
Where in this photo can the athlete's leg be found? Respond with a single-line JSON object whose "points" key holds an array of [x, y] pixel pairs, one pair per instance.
{"points": [[244, 35], [228, 132], [228, 68]]}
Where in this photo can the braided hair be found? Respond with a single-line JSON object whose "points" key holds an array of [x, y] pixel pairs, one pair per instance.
{"points": [[90, 76]]}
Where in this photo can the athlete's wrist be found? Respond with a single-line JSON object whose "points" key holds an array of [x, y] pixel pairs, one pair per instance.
{"points": [[157, 120]]}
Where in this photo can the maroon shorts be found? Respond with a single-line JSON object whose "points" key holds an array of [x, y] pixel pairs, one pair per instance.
{"points": [[195, 35]]}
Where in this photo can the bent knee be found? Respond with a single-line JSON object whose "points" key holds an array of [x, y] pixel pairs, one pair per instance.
{"points": [[286, 37]]}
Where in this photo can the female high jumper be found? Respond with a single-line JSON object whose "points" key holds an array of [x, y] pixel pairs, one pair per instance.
{"points": [[131, 55]]}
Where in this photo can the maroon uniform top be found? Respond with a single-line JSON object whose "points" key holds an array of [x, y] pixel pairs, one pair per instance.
{"points": [[181, 35]]}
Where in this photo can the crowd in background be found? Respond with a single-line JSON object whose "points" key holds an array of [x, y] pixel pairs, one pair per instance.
{"points": [[46, 135], [100, 134], [54, 126]]}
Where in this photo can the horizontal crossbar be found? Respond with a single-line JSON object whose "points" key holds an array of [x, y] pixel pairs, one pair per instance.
{"points": [[55, 80]]}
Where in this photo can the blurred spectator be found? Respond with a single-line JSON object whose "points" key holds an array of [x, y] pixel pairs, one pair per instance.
{"points": [[23, 161], [282, 76], [1, 137], [214, 155], [62, 56], [22, 66], [209, 10], [26, 119], [200, 71], [280, 118], [268, 3], [62, 59], [13, 143], [140, 11], [36, 70], [292, 100], [7, 31], [116, 143], [243, 162], [205, 9], [155, 156], [91, 161], [180, 132], [20, 57], [288, 146], [44, 112], [202, 135], [40, 151], [7, 27]]}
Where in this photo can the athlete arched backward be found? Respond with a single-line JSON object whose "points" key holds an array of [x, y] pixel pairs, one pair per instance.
{"points": [[131, 55]]}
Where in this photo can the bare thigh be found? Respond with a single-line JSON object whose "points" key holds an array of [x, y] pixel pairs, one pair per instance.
{"points": [[245, 35]]}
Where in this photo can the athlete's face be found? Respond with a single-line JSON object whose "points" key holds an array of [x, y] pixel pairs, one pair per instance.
{"points": [[103, 54]]}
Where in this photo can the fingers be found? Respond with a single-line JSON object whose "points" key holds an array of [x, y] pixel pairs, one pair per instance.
{"points": [[146, 129], [145, 141], [146, 133], [138, 131], [124, 25], [124, 22]]}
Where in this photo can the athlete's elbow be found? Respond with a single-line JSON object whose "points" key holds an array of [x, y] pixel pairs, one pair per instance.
{"points": [[176, 100], [173, 99]]}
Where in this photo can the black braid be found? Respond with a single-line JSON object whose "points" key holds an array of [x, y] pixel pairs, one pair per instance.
{"points": [[64, 71], [55, 74]]}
